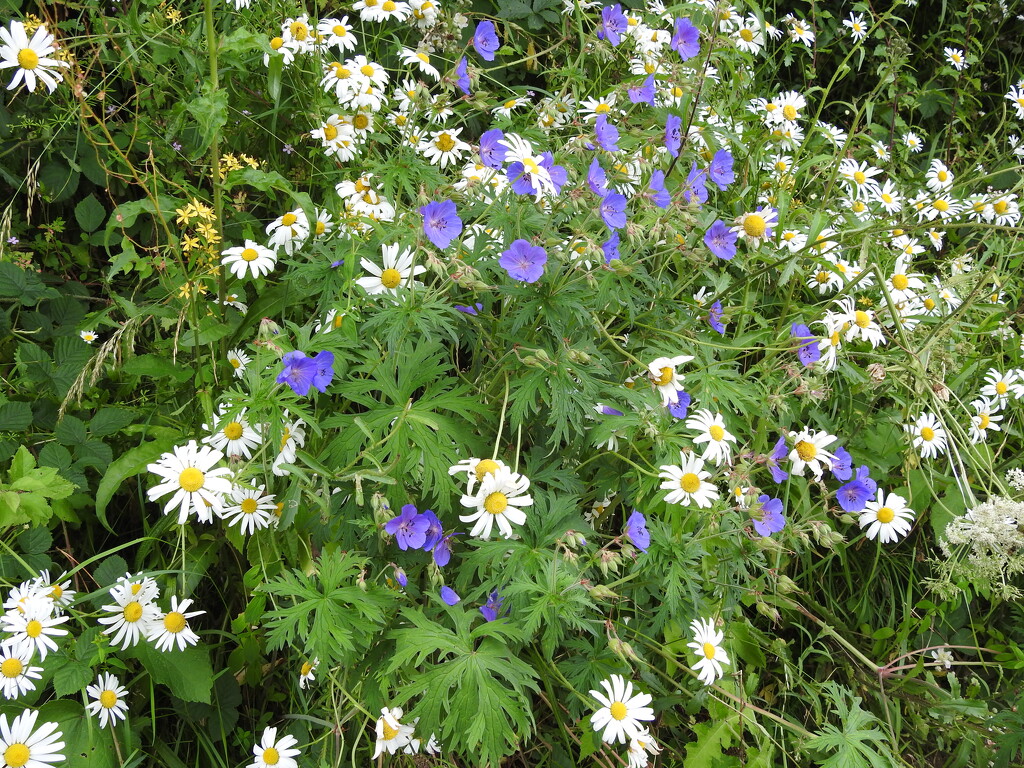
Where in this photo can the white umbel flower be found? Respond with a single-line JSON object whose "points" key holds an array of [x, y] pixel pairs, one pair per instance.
{"points": [[108, 700], [31, 57], [621, 711], [188, 473], [273, 752], [712, 431], [707, 643], [249, 258], [498, 500], [23, 748], [887, 517], [686, 484], [398, 271]]}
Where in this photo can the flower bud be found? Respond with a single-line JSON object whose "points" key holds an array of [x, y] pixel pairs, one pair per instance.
{"points": [[786, 585], [768, 611], [601, 592]]}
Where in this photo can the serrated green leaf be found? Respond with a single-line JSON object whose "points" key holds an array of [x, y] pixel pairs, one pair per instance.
{"points": [[71, 676]]}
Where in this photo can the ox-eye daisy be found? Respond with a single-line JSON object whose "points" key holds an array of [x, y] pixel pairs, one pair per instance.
{"points": [[273, 752], [621, 711], [108, 700], [929, 435], [397, 273], [188, 474], [666, 379], [251, 257], [712, 431], [707, 644], [809, 451], [32, 57], [476, 470], [21, 745], [887, 517], [172, 628], [686, 484], [497, 500]]}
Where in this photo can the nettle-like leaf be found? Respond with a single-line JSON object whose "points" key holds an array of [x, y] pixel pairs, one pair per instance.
{"points": [[859, 743], [471, 689], [328, 614]]}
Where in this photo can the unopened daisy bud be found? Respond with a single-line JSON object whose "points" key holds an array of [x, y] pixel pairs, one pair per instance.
{"points": [[768, 611], [601, 592], [786, 585]]}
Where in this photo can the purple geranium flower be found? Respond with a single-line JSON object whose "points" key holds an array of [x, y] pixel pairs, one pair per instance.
{"points": [[462, 76], [685, 39], [597, 179], [524, 262], [433, 531], [299, 372], [694, 187], [443, 550], [613, 24], [609, 411], [808, 352], [336, 264], [642, 93], [720, 171], [715, 317], [409, 528], [775, 459], [855, 495], [401, 578], [771, 519], [441, 222], [660, 195], [473, 310], [449, 595], [720, 240], [673, 134], [613, 210], [324, 362], [522, 182], [485, 40], [842, 467], [681, 407], [492, 607], [607, 134], [610, 247], [492, 153], [636, 531]]}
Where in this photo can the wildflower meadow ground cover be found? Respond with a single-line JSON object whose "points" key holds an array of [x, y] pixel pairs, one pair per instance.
{"points": [[549, 383]]}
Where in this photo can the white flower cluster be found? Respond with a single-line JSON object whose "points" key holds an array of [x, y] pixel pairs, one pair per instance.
{"points": [[990, 535]]}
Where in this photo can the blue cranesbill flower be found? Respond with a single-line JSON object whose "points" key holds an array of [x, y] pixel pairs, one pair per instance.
{"points": [[462, 76], [682, 405], [610, 248], [720, 170], [401, 578], [485, 40], [409, 528], [642, 93], [715, 317], [613, 210], [607, 134], [685, 39], [443, 549], [298, 373], [636, 531], [492, 608], [659, 195], [597, 178], [721, 240], [775, 459], [808, 352], [614, 24], [768, 519], [694, 187], [855, 495], [449, 595], [842, 464], [524, 262], [324, 362], [441, 222], [470, 310], [492, 151], [433, 530], [673, 134]]}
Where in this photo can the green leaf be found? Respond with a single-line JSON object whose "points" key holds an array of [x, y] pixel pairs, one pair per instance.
{"points": [[859, 743], [110, 570], [108, 421], [35, 541], [187, 673], [71, 431], [85, 744], [71, 677], [15, 416], [90, 213], [128, 465], [156, 367], [21, 284], [211, 113], [712, 738]]}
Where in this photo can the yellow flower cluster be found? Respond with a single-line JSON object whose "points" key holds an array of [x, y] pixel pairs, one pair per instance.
{"points": [[230, 162]]}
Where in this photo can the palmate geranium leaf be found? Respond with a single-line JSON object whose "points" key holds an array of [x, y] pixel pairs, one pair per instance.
{"points": [[859, 742], [471, 689]]}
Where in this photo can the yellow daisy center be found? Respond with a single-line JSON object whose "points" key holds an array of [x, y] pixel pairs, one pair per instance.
{"points": [[233, 431], [983, 422], [942, 176], [388, 6], [445, 143], [299, 30], [747, 35], [320, 228], [28, 59], [17, 755], [666, 376], [618, 710], [754, 225], [330, 132], [390, 278], [1001, 387], [927, 434], [235, 362], [250, 254], [132, 612], [886, 197], [859, 177], [361, 122], [33, 628], [709, 651], [689, 482], [1000, 207], [861, 318], [806, 450], [306, 669], [108, 699], [340, 71], [174, 622], [339, 30], [602, 109], [271, 756], [885, 515], [716, 432], [941, 205], [367, 70], [56, 592], [11, 667], [780, 165], [834, 339], [677, 91], [789, 112], [929, 304], [191, 479], [276, 43], [485, 467], [822, 277], [496, 503], [900, 282], [288, 219], [388, 732], [248, 506]]}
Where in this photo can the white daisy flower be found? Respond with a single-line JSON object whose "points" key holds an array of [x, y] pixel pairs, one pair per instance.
{"points": [[666, 379], [956, 58], [59, 590], [929, 435], [499, 499], [756, 227], [889, 517], [251, 510], [476, 470], [172, 628], [33, 626], [19, 746], [133, 612], [32, 57], [251, 257], [306, 675], [398, 271], [288, 231], [858, 29], [809, 451], [419, 59], [196, 486], [392, 734], [707, 644], [108, 700], [238, 360], [273, 752], [1000, 386], [16, 672], [711, 428], [293, 438], [686, 484], [938, 177], [234, 437], [621, 711], [901, 285], [138, 587], [913, 142], [860, 177], [859, 323], [337, 32], [444, 147], [749, 37], [297, 35], [985, 419], [88, 336]]}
